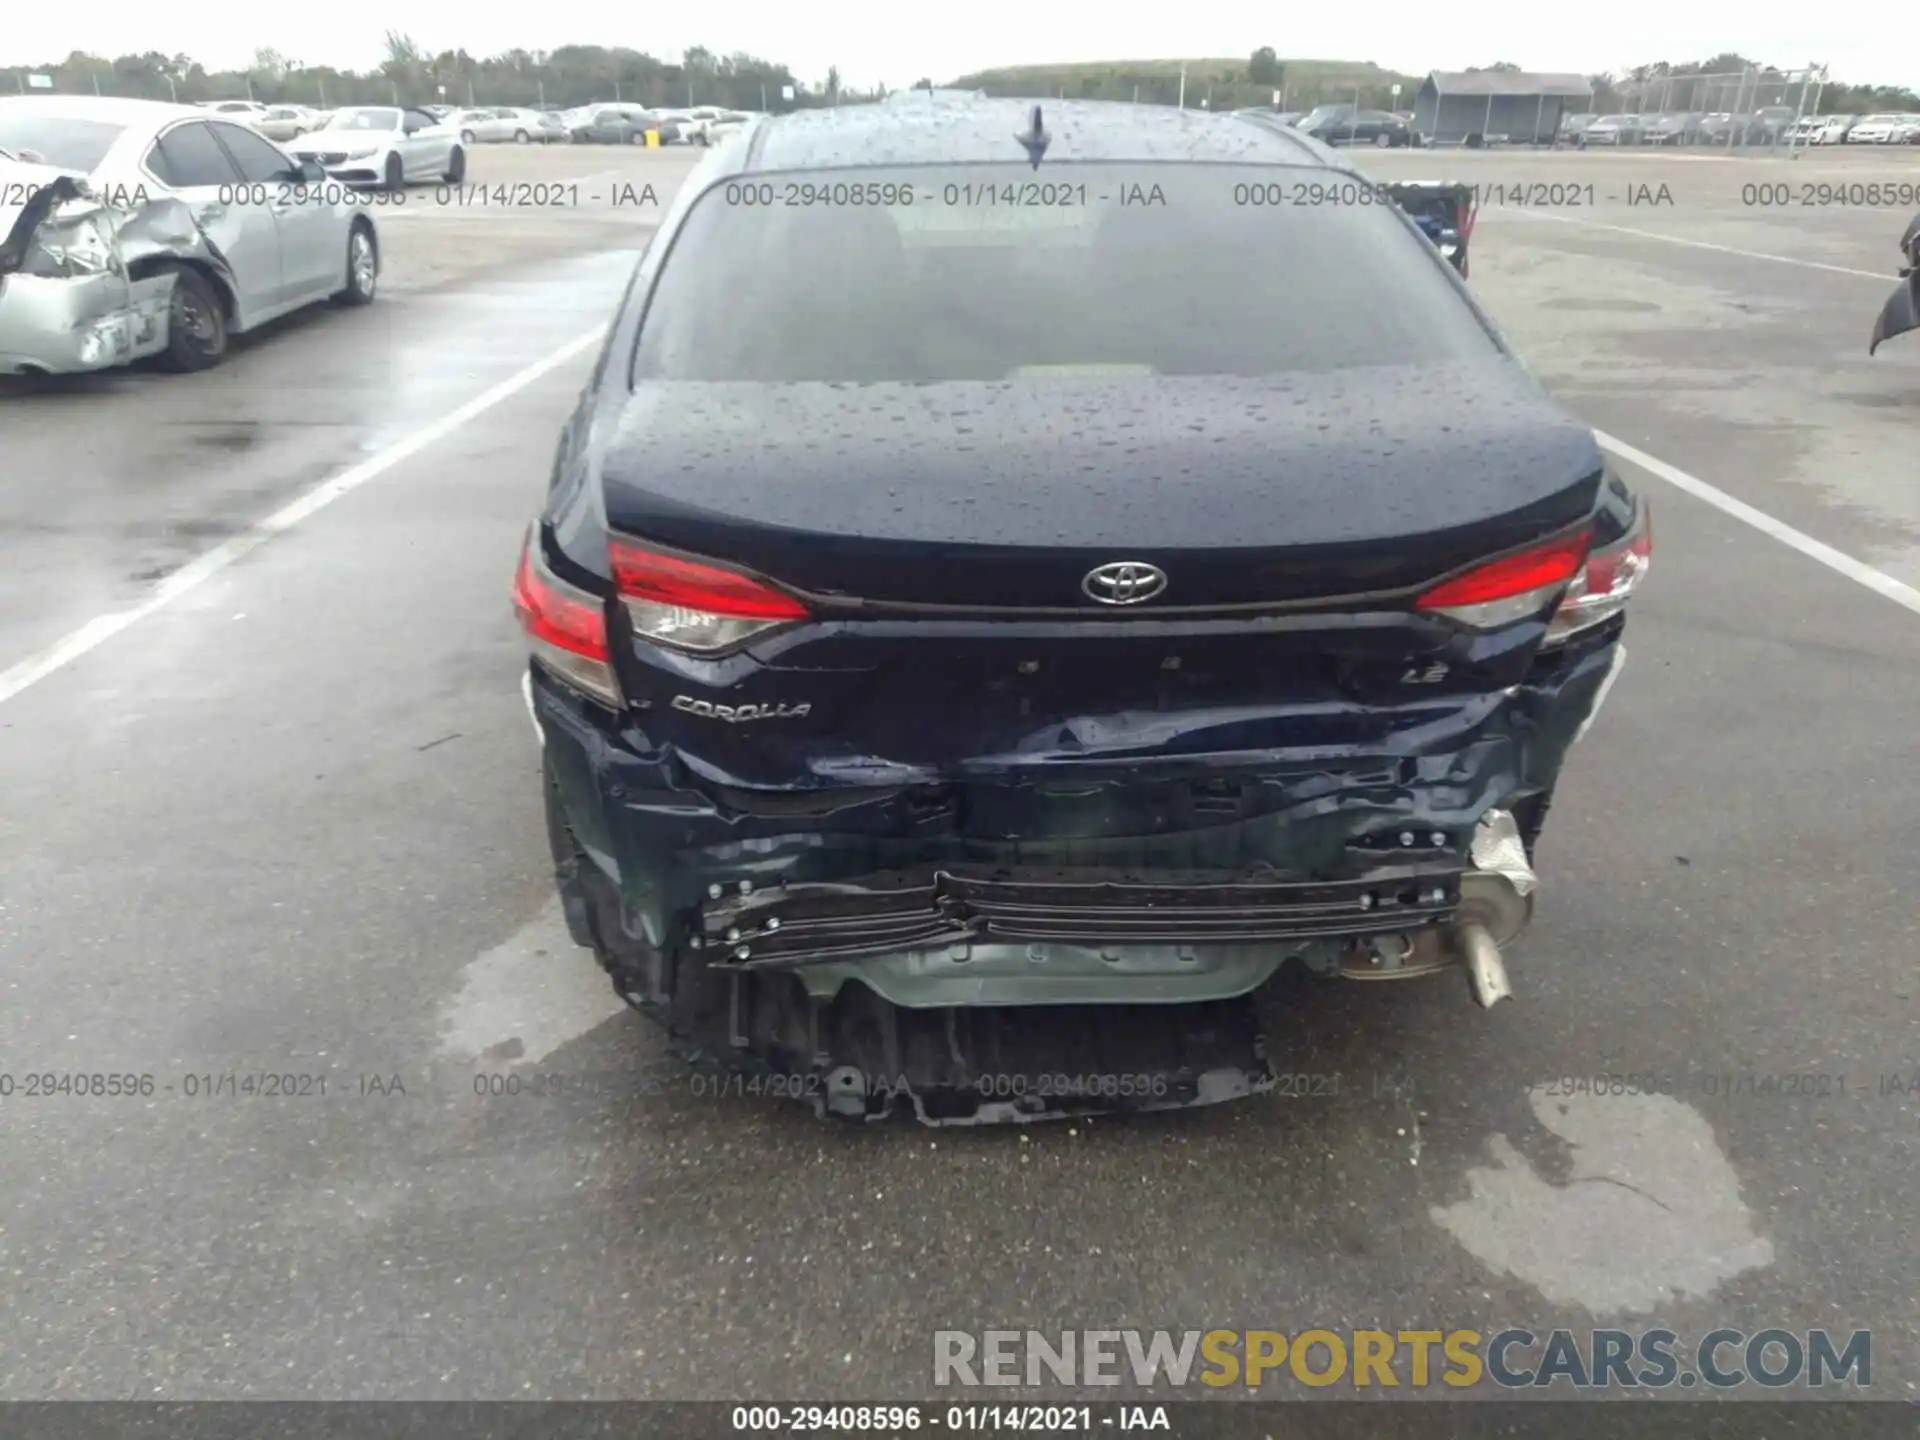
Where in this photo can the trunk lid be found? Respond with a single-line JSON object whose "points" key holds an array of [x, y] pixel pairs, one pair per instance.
{"points": [[945, 532], [1003, 497]]}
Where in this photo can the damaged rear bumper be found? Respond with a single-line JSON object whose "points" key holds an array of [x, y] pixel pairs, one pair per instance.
{"points": [[65, 326], [83, 280], [1037, 931]]}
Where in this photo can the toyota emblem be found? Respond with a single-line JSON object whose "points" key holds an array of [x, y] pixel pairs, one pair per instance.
{"points": [[1124, 582]]}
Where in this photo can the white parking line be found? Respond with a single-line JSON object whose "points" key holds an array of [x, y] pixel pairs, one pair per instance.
{"points": [[196, 572], [1883, 278], [1859, 572]]}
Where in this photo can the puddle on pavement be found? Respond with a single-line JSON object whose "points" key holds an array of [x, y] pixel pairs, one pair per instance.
{"points": [[1650, 1211], [525, 998]]}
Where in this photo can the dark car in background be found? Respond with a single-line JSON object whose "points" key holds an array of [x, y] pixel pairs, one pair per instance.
{"points": [[605, 125], [1349, 125], [1673, 129], [982, 631], [1770, 123]]}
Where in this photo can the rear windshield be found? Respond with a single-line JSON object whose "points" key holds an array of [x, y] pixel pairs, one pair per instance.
{"points": [[63, 143], [989, 272]]}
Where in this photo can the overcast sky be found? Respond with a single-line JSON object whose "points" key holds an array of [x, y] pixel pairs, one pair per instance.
{"points": [[898, 41]]}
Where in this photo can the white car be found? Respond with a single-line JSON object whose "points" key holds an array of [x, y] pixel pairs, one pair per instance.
{"points": [[1875, 129], [1832, 129], [725, 125], [390, 145], [485, 127], [238, 109], [537, 127], [683, 126], [191, 227], [286, 122]]}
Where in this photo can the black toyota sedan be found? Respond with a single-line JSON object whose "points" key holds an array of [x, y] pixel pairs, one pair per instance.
{"points": [[1016, 579]]}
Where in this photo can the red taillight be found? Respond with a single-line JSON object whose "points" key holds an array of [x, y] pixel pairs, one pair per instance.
{"points": [[1468, 214], [1510, 588], [1607, 582], [566, 625], [696, 607], [550, 615], [666, 580]]}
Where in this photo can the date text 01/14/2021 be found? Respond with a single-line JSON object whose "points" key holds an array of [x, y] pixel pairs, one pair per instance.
{"points": [[195, 1085], [965, 1419], [955, 195]]}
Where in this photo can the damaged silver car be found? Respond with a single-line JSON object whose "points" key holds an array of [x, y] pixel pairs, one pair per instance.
{"points": [[134, 229]]}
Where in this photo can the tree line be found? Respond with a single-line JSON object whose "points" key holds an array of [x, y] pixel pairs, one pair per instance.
{"points": [[410, 74]]}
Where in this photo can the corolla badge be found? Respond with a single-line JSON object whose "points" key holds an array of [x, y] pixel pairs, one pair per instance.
{"points": [[737, 714], [1124, 582]]}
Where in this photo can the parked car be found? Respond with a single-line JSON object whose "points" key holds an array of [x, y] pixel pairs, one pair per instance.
{"points": [[485, 127], [282, 123], [1718, 127], [677, 127], [1358, 127], [385, 145], [1803, 130], [1833, 129], [724, 125], [1567, 132], [135, 229], [1045, 765], [606, 126], [1615, 130], [1770, 123], [538, 127], [238, 109], [1673, 129], [1875, 129]]}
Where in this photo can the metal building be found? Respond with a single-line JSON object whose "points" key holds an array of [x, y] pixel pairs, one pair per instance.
{"points": [[1511, 105]]}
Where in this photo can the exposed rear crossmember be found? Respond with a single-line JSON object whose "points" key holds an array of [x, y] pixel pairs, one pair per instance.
{"points": [[892, 911]]}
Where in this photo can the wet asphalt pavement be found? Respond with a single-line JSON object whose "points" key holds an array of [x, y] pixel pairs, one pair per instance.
{"points": [[288, 825]]}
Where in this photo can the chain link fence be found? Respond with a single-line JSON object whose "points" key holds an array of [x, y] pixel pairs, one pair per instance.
{"points": [[1737, 109]]}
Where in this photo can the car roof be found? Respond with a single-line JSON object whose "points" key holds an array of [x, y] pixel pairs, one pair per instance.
{"points": [[985, 129]]}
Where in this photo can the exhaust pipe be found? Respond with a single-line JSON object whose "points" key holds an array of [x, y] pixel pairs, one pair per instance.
{"points": [[1496, 903], [1486, 971]]}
